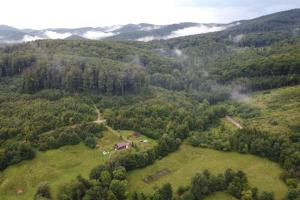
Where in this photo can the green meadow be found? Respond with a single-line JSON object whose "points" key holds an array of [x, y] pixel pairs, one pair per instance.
{"points": [[54, 166], [187, 161], [59, 166], [280, 110]]}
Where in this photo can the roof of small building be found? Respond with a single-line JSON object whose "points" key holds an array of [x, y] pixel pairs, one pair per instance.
{"points": [[122, 144]]}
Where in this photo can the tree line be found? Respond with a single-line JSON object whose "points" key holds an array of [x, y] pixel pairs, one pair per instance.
{"points": [[203, 184], [280, 148]]}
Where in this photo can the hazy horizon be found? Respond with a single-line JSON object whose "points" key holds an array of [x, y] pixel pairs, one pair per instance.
{"points": [[92, 13]]}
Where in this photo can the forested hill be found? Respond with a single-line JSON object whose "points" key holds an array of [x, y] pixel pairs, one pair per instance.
{"points": [[258, 54], [104, 67], [157, 97]]}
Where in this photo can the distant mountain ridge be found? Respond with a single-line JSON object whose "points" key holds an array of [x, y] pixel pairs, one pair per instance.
{"points": [[139, 32], [286, 20]]}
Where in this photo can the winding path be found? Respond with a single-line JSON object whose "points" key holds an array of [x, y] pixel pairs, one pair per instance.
{"points": [[99, 119]]}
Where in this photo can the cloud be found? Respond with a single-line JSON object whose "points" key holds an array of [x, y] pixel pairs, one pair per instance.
{"points": [[195, 30], [178, 52], [95, 35], [185, 32], [56, 35], [238, 38], [150, 28], [236, 95], [112, 28], [29, 38]]}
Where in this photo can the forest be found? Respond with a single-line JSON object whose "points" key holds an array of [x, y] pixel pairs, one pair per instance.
{"points": [[172, 92]]}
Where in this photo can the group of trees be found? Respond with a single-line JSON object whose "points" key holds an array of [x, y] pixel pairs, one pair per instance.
{"points": [[283, 149], [166, 144], [14, 62], [104, 78], [154, 118], [15, 153], [85, 132], [105, 183], [204, 184], [28, 117]]}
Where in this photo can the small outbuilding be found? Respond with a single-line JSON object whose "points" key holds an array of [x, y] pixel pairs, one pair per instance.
{"points": [[122, 145]]}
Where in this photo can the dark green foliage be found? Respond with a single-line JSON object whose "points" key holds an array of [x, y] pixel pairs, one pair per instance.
{"points": [[120, 173], [74, 190], [278, 148], [154, 118], [27, 117], [164, 193], [15, 153], [86, 132], [238, 184], [166, 145], [13, 61], [118, 188], [43, 192], [96, 171], [293, 194], [282, 149], [266, 196], [90, 142], [205, 183]]}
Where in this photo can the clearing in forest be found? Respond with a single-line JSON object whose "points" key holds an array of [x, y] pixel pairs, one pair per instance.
{"points": [[59, 166], [187, 161], [279, 108]]}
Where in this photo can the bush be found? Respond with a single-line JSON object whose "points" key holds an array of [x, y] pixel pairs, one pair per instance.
{"points": [[43, 192], [90, 142]]}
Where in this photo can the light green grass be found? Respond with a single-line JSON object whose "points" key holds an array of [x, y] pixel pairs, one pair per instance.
{"points": [[220, 196], [55, 166], [60, 166], [187, 161], [280, 110], [146, 144]]}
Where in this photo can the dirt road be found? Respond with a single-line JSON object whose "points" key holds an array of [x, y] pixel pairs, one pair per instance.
{"points": [[231, 120]]}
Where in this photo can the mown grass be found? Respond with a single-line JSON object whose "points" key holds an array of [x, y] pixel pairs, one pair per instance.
{"points": [[54, 166], [280, 110], [188, 160], [61, 165], [220, 196]]}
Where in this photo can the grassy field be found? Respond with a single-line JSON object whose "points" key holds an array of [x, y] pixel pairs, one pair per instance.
{"points": [[187, 161], [55, 166], [58, 166], [280, 110], [220, 196]]}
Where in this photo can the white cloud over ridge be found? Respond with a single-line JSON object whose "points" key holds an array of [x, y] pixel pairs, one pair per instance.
{"points": [[185, 32], [95, 35], [56, 35], [29, 38], [195, 30], [150, 28]]}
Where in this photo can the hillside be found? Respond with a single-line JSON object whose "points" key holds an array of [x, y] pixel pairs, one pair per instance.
{"points": [[66, 106]]}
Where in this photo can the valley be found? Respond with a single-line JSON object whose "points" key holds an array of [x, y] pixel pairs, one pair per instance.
{"points": [[203, 116]]}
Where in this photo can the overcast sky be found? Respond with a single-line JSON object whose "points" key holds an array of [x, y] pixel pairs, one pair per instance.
{"points": [[40, 14]]}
